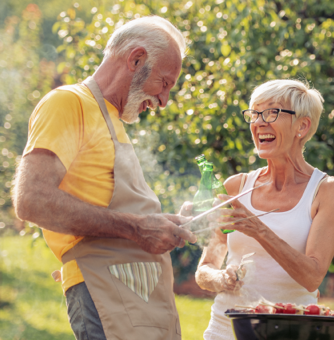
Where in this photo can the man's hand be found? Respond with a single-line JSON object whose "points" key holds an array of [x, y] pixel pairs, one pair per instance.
{"points": [[158, 233]]}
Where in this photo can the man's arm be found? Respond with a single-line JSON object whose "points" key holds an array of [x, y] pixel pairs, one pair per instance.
{"points": [[38, 199]]}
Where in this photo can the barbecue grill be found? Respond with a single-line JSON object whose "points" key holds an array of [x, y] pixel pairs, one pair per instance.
{"points": [[249, 326]]}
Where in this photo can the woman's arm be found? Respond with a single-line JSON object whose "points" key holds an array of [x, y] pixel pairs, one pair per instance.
{"points": [[209, 276], [307, 269]]}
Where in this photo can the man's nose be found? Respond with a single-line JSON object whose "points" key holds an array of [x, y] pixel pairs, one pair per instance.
{"points": [[163, 98]]}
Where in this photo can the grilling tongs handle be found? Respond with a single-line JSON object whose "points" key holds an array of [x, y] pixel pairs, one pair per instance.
{"points": [[222, 204]]}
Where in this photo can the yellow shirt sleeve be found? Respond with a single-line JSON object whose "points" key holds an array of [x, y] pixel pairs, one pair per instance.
{"points": [[69, 122], [56, 125], [71, 275]]}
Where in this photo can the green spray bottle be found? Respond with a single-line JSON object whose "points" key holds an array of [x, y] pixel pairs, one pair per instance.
{"points": [[204, 198], [219, 188]]}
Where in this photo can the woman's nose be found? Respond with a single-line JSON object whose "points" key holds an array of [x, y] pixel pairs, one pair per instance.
{"points": [[259, 121]]}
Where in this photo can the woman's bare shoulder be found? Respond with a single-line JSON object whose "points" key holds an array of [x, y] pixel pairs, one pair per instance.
{"points": [[232, 184], [324, 196], [326, 188]]}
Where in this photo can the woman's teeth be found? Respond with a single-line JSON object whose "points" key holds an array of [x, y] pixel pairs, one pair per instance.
{"points": [[267, 138]]}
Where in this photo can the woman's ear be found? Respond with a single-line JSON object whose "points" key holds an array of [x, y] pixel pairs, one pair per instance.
{"points": [[304, 124]]}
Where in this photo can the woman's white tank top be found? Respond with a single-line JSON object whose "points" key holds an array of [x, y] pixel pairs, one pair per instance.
{"points": [[265, 278], [293, 227]]}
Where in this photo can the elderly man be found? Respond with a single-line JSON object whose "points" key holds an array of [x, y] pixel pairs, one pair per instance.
{"points": [[80, 180]]}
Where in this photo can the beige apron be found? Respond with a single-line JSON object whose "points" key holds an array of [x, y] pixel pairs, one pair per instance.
{"points": [[132, 289]]}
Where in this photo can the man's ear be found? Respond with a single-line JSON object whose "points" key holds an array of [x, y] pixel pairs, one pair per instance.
{"points": [[304, 124], [136, 58]]}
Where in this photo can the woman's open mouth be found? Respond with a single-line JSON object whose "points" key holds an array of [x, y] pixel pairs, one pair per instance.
{"points": [[266, 138]]}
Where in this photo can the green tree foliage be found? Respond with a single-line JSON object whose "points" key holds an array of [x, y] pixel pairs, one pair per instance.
{"points": [[233, 47], [25, 78]]}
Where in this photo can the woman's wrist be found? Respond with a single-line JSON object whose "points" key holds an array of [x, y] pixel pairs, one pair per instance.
{"points": [[263, 234], [218, 281], [210, 279]]}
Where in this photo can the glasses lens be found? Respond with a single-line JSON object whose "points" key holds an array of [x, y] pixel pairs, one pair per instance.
{"points": [[270, 115], [250, 116]]}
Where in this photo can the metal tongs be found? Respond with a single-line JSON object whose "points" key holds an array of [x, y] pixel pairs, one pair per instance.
{"points": [[219, 225], [222, 204], [239, 273]]}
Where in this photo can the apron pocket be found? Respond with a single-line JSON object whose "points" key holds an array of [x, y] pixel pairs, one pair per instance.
{"points": [[142, 290], [140, 277]]}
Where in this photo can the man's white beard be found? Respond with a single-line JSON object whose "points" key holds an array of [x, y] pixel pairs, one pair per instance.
{"points": [[136, 96]]}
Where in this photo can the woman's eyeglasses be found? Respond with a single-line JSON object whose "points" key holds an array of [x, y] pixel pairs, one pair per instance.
{"points": [[268, 115]]}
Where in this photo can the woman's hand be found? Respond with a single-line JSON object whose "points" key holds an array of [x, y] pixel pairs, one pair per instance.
{"points": [[251, 227], [219, 280], [230, 281]]}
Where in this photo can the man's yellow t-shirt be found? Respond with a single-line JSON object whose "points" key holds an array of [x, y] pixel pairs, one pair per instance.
{"points": [[69, 122]]}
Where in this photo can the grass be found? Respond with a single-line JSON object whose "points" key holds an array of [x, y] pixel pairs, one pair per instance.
{"points": [[194, 316], [32, 306]]}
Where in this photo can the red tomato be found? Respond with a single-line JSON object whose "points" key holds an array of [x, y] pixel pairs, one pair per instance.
{"points": [[289, 309], [312, 310], [279, 310]]}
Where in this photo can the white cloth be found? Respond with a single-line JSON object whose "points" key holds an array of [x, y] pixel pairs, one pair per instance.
{"points": [[265, 278]]}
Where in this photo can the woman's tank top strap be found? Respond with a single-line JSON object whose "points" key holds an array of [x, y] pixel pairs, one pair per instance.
{"points": [[312, 185], [308, 195], [251, 178]]}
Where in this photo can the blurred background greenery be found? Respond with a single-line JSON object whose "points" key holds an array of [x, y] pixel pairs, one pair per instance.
{"points": [[233, 47]]}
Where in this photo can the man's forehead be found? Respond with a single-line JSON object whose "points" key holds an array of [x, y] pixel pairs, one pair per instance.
{"points": [[172, 60]]}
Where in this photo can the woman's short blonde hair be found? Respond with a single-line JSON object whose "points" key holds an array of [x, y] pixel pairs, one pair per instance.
{"points": [[304, 101]]}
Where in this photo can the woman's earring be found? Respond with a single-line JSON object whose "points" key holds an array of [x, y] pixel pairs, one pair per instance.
{"points": [[299, 135]]}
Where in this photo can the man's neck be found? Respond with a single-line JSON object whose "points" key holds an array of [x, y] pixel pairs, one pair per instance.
{"points": [[114, 81]]}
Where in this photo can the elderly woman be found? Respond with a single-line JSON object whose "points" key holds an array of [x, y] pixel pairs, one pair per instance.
{"points": [[293, 246]]}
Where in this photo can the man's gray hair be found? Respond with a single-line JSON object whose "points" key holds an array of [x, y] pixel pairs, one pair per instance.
{"points": [[304, 101], [153, 33]]}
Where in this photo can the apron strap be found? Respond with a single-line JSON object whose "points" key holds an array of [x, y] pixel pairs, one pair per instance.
{"points": [[71, 253], [68, 256], [94, 88]]}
